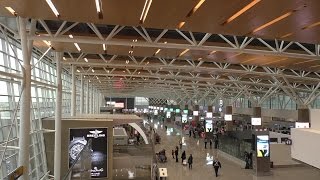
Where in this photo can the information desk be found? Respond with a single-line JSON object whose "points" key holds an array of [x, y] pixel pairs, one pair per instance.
{"points": [[163, 173]]}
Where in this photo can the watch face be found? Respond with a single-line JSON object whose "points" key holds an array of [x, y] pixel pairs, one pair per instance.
{"points": [[75, 150]]}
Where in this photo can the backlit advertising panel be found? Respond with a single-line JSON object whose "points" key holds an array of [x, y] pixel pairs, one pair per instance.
{"points": [[78, 139], [263, 149], [209, 126]]}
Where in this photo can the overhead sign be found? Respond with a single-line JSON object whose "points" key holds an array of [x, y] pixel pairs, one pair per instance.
{"points": [[228, 117], [195, 113], [99, 138], [263, 149], [184, 118], [209, 115], [256, 121]]}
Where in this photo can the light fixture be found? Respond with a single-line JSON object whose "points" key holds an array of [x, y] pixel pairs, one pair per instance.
{"points": [[157, 51], [13, 12], [139, 72], [123, 71], [77, 46], [273, 21], [70, 36], [127, 61], [193, 10], [199, 59], [53, 8], [286, 35], [183, 52], [48, 43], [99, 9], [212, 52], [92, 70], [104, 47], [237, 14], [165, 42], [181, 24], [311, 25], [97, 77], [135, 40], [145, 11], [78, 70], [85, 59], [64, 58]]}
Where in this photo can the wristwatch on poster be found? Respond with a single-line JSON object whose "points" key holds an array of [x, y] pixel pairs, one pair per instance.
{"points": [[76, 146]]}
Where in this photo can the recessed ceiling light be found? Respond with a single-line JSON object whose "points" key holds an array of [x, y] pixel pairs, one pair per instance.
{"points": [[70, 36], [124, 71], [92, 70], [165, 42], [104, 47], [139, 72], [48, 43], [53, 8], [64, 58], [183, 52], [244, 9], [157, 51], [196, 7], [311, 25], [181, 24], [13, 12], [99, 9], [145, 11], [78, 70], [127, 61], [273, 21], [85, 59], [77, 46]]}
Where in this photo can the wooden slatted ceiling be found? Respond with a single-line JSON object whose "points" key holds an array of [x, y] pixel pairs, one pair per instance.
{"points": [[168, 13]]}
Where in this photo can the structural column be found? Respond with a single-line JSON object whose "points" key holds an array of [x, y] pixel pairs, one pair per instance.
{"points": [[82, 96], [92, 100], [87, 98], [229, 123], [57, 125], [303, 115], [196, 118], [73, 91], [24, 131], [257, 114]]}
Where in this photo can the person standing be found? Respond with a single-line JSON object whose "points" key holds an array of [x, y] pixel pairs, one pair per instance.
{"points": [[210, 143], [176, 154], [190, 132], [183, 156], [216, 142], [180, 143], [205, 143], [216, 166], [190, 161], [172, 154]]}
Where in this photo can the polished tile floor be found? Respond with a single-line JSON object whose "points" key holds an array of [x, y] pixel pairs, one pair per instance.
{"points": [[202, 166]]}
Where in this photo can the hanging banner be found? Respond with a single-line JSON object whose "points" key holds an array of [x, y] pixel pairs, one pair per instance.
{"points": [[99, 138]]}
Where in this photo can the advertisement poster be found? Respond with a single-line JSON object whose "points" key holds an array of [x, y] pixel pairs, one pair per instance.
{"points": [[263, 149], [184, 118], [208, 125], [99, 137]]}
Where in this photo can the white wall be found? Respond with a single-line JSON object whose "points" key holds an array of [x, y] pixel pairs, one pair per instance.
{"points": [[306, 146], [315, 119]]}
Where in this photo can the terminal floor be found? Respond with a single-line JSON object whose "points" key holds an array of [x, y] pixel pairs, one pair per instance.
{"points": [[202, 166]]}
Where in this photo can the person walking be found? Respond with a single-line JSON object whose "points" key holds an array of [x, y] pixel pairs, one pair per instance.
{"points": [[180, 143], [183, 156], [216, 142], [190, 132], [216, 166], [210, 142], [190, 161], [176, 154], [205, 143]]}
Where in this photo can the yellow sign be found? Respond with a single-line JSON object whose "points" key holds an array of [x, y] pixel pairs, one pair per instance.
{"points": [[16, 173]]}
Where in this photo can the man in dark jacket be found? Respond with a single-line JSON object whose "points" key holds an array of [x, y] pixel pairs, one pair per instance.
{"points": [[176, 154], [216, 165], [190, 161], [183, 156]]}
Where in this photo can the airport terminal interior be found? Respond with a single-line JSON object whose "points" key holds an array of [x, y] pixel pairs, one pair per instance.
{"points": [[160, 89]]}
